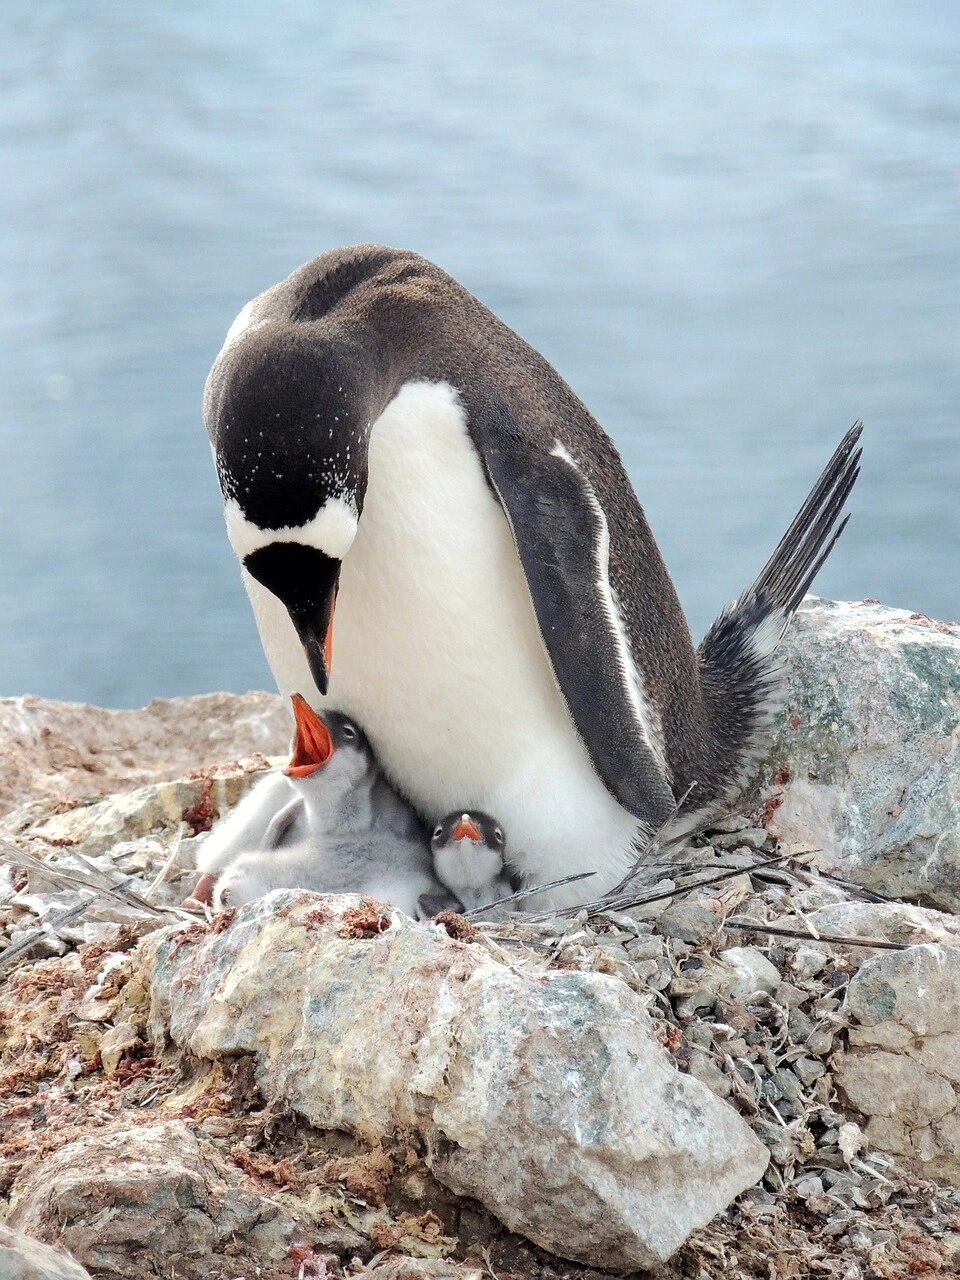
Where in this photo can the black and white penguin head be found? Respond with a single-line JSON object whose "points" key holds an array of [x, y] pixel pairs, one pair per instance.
{"points": [[468, 850], [329, 751], [290, 443]]}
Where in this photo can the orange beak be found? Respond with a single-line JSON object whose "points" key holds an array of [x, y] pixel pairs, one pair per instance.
{"points": [[467, 829], [313, 745]]}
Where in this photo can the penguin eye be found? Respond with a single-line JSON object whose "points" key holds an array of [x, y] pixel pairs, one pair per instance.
{"points": [[349, 732], [438, 833], [498, 835]]}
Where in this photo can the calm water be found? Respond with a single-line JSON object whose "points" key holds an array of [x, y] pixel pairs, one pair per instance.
{"points": [[732, 227]]}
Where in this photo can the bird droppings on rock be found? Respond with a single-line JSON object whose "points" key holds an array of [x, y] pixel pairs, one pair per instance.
{"points": [[846, 1192]]}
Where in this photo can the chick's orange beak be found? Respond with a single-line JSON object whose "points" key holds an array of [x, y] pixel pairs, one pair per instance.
{"points": [[313, 746], [467, 829]]}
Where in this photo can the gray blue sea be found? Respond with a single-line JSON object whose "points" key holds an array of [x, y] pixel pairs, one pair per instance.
{"points": [[733, 227]]}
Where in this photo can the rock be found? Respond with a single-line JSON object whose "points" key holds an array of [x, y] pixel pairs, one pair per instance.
{"points": [[889, 921], [748, 972], [867, 737], [544, 1095], [146, 1199], [421, 1269], [115, 1043], [746, 837], [68, 751], [688, 921], [22, 1258], [160, 808], [902, 1069]]}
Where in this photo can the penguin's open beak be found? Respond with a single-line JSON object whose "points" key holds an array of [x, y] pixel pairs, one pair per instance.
{"points": [[313, 746], [467, 829]]}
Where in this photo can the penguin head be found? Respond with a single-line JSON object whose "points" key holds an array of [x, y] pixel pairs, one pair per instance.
{"points": [[290, 441], [327, 749], [468, 850]]}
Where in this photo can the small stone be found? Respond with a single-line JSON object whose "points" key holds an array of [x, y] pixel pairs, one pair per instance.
{"points": [[688, 921], [809, 1187], [808, 1070], [807, 962], [789, 995], [788, 1084], [116, 1042], [747, 837], [751, 972], [799, 1026], [851, 1140]]}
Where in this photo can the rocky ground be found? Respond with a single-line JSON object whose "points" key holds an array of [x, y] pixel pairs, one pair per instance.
{"points": [[314, 1086]]}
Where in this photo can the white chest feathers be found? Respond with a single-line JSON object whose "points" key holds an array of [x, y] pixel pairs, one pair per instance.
{"points": [[437, 653]]}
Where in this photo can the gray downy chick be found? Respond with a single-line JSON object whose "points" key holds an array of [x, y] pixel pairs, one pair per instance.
{"points": [[345, 831], [468, 858]]}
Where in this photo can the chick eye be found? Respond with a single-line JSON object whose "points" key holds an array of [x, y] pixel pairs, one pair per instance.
{"points": [[438, 832], [498, 835], [349, 732]]}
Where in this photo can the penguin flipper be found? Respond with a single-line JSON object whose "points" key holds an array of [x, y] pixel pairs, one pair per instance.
{"points": [[562, 540]]}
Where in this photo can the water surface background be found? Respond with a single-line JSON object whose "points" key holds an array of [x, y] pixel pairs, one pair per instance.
{"points": [[732, 227]]}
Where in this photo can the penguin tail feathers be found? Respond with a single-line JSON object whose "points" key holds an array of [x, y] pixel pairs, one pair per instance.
{"points": [[741, 672]]}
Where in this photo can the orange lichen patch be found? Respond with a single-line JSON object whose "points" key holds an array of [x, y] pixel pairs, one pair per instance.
{"points": [[365, 1176], [192, 933], [408, 1226], [318, 918], [456, 925], [201, 816], [795, 722], [364, 922], [281, 1171], [671, 1039], [223, 920], [770, 807], [781, 777]]}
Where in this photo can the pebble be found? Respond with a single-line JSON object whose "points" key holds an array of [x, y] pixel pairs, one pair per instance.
{"points": [[807, 962], [748, 837], [688, 921]]}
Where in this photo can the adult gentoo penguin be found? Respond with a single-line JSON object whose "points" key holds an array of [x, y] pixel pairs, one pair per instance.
{"points": [[438, 538]]}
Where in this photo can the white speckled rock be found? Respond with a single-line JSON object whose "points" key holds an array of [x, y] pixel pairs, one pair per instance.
{"points": [[903, 1066], [868, 736], [545, 1095], [23, 1258]]}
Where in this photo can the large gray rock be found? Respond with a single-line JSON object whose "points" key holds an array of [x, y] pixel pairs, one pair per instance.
{"points": [[68, 751], [543, 1094], [902, 1069], [869, 738], [146, 1199], [23, 1258]]}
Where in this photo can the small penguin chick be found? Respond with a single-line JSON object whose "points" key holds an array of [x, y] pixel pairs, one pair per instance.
{"points": [[379, 864], [468, 857], [274, 812]]}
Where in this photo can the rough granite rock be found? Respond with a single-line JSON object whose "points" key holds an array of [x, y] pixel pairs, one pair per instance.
{"points": [[68, 751], [902, 1069], [868, 738], [23, 1258], [147, 1191], [543, 1095]]}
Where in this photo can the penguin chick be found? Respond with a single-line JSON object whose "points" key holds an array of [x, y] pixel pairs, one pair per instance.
{"points": [[275, 811], [345, 831], [378, 863], [468, 856]]}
